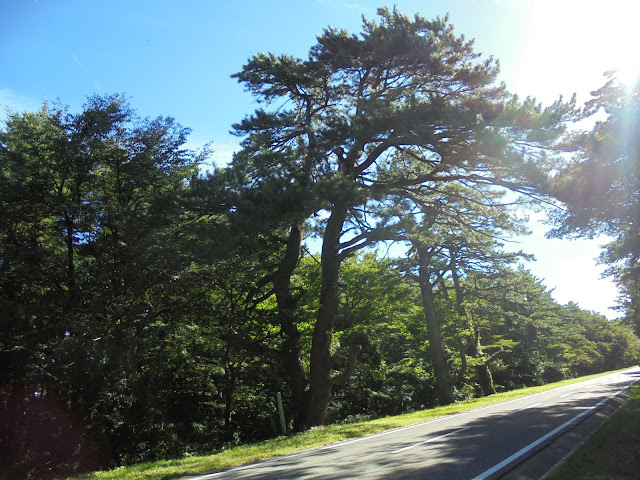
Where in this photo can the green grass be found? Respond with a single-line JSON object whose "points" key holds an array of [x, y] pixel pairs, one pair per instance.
{"points": [[316, 437], [612, 452]]}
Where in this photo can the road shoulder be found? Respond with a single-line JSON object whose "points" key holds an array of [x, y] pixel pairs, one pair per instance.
{"points": [[541, 462]]}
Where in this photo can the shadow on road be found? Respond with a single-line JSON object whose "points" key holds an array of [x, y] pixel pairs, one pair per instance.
{"points": [[489, 438]]}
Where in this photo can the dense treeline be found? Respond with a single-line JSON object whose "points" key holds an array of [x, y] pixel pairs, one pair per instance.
{"points": [[349, 257]]}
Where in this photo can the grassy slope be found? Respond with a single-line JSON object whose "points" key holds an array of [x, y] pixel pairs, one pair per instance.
{"points": [[168, 469], [612, 452]]}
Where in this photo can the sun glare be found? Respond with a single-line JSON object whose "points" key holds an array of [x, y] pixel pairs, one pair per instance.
{"points": [[571, 44], [622, 52]]}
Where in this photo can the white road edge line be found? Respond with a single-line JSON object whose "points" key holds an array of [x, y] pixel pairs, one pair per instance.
{"points": [[439, 419], [236, 469], [533, 445], [360, 439], [566, 394], [530, 406], [430, 440], [245, 467]]}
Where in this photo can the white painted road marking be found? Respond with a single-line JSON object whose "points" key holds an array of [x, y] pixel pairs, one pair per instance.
{"points": [[566, 394], [530, 406], [533, 445], [429, 441], [485, 475], [416, 425]]}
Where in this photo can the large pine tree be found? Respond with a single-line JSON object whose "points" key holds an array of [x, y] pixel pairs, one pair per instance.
{"points": [[405, 104]]}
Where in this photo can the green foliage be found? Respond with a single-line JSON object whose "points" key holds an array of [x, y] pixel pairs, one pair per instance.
{"points": [[87, 262], [600, 189], [543, 341], [381, 311], [376, 128], [284, 445], [150, 312]]}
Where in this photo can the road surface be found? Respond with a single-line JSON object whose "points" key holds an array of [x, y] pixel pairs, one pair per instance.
{"points": [[477, 445]]}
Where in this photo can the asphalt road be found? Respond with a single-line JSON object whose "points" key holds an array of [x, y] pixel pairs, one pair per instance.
{"points": [[477, 445]]}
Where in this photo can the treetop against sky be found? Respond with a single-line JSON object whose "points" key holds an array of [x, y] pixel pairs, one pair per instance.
{"points": [[177, 59]]}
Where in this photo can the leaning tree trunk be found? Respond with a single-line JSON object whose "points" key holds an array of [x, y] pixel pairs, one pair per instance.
{"points": [[320, 381], [434, 330], [482, 371], [291, 350]]}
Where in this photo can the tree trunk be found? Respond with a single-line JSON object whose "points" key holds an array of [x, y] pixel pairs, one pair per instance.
{"points": [[463, 360], [71, 277], [229, 387], [291, 350], [484, 373], [434, 330], [486, 379], [320, 367]]}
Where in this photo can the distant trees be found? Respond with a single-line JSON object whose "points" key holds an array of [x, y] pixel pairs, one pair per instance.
{"points": [[511, 334], [531, 340]]}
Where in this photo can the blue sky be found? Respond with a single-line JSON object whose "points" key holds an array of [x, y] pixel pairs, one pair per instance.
{"points": [[176, 57]]}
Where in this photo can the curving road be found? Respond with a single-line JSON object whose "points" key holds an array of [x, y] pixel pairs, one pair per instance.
{"points": [[477, 445]]}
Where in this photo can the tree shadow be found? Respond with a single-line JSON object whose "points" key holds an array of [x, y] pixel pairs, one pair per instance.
{"points": [[445, 453]]}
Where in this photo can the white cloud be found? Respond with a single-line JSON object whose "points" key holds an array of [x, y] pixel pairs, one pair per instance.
{"points": [[221, 152], [77, 61]]}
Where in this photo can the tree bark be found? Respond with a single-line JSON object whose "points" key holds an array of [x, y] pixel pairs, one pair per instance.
{"points": [[434, 330], [463, 360], [291, 350], [229, 388], [484, 373], [71, 277], [320, 367], [486, 379]]}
